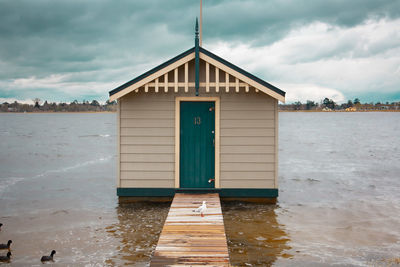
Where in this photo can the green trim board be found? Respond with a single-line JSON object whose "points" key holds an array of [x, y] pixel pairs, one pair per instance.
{"points": [[224, 192], [197, 59], [145, 192]]}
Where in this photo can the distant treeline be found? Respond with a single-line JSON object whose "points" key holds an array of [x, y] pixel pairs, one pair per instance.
{"points": [[75, 106], [94, 106], [330, 105]]}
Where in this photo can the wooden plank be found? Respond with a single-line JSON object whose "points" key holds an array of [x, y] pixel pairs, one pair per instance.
{"points": [[132, 99], [156, 87], [246, 115], [176, 80], [149, 183], [135, 106], [216, 80], [151, 140], [226, 123], [147, 175], [236, 85], [227, 175], [254, 149], [247, 105], [186, 77], [148, 114], [150, 123], [166, 82], [249, 167], [242, 132], [238, 158], [264, 183], [240, 140], [207, 77], [148, 149], [189, 239], [157, 158], [131, 131], [226, 82], [147, 166]]}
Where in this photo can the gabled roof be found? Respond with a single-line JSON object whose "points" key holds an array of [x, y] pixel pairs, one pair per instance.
{"points": [[208, 57]]}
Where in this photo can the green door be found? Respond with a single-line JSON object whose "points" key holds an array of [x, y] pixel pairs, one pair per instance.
{"points": [[197, 156]]}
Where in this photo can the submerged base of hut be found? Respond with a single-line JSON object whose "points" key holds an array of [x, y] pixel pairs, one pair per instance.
{"points": [[127, 195], [121, 200]]}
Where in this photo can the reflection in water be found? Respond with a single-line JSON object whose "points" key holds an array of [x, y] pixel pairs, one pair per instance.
{"points": [[138, 228], [255, 238]]}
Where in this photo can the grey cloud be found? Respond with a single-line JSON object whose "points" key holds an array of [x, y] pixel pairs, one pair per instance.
{"points": [[116, 40]]}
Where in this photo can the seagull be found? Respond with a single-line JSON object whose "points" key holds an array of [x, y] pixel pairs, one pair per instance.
{"points": [[5, 258], [201, 209], [48, 258], [6, 246]]}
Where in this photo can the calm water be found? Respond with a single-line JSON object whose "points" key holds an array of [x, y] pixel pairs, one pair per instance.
{"points": [[339, 198]]}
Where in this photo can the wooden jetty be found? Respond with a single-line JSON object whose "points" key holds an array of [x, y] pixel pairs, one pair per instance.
{"points": [[189, 239]]}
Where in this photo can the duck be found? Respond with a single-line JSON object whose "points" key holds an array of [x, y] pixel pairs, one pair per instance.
{"points": [[48, 258], [1, 226], [5, 258], [201, 209], [6, 246]]}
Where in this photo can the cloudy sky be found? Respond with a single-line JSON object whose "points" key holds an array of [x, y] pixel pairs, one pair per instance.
{"points": [[62, 50]]}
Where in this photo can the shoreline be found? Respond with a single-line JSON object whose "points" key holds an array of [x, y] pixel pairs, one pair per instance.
{"points": [[82, 112], [47, 112], [339, 111]]}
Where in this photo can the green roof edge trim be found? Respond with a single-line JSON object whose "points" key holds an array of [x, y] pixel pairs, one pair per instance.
{"points": [[208, 53]]}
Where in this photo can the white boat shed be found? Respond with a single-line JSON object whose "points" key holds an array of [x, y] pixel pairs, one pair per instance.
{"points": [[197, 123]]}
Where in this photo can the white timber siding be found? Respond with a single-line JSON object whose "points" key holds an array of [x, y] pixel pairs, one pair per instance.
{"points": [[147, 140], [248, 131], [247, 140]]}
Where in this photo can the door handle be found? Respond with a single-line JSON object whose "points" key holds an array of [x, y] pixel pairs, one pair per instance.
{"points": [[211, 180]]}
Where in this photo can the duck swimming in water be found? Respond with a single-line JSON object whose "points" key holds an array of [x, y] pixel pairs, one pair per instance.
{"points": [[6, 246], [1, 226], [48, 258], [5, 258]]}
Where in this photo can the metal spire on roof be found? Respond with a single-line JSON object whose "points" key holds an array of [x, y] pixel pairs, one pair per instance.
{"points": [[197, 58]]}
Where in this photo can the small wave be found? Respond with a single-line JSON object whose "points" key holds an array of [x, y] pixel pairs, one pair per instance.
{"points": [[60, 212], [10, 181], [94, 135], [311, 180]]}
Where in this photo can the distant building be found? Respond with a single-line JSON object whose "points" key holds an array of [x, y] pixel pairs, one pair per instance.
{"points": [[351, 109]]}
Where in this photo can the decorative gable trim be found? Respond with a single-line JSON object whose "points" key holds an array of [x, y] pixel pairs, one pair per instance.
{"points": [[151, 77], [152, 74]]}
